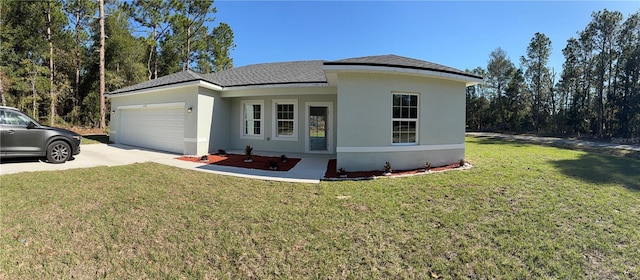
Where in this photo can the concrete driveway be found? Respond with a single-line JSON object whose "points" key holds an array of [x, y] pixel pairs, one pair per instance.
{"points": [[90, 156]]}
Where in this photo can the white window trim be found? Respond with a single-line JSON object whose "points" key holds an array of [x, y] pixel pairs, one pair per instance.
{"points": [[417, 120], [242, 119], [274, 130]]}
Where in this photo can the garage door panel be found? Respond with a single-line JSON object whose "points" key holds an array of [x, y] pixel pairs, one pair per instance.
{"points": [[160, 128]]}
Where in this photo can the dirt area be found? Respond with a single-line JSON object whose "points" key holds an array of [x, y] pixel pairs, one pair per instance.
{"points": [[88, 130]]}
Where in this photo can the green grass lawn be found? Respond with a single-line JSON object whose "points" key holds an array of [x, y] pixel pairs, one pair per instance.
{"points": [[524, 211]]}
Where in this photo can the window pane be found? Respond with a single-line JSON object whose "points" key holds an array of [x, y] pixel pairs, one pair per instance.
{"points": [[413, 113], [285, 111], [256, 127], [248, 111], [396, 137], [412, 138], [414, 100], [285, 128], [397, 99], [405, 113], [248, 127], [406, 100], [256, 111], [396, 112]]}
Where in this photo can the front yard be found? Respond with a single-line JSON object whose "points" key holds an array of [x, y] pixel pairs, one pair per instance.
{"points": [[523, 211]]}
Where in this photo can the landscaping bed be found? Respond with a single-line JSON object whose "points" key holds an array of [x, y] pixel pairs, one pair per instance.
{"points": [[333, 174], [235, 160]]}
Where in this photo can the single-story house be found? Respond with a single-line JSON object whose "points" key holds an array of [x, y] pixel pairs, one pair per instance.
{"points": [[364, 111]]}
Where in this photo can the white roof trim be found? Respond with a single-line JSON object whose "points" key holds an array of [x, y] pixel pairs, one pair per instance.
{"points": [[390, 69], [165, 87]]}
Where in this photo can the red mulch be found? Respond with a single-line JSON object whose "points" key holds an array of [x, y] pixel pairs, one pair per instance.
{"points": [[332, 173], [259, 162]]}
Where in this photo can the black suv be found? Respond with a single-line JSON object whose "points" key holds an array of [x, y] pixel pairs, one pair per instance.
{"points": [[21, 136]]}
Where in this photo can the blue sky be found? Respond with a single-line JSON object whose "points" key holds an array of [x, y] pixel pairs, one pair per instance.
{"points": [[460, 34]]}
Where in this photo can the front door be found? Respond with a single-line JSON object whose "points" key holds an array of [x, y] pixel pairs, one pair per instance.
{"points": [[318, 127]]}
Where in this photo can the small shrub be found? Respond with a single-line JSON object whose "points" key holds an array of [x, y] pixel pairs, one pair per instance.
{"points": [[461, 163], [273, 165], [222, 152], [248, 150], [283, 158], [387, 167], [342, 172], [427, 166]]}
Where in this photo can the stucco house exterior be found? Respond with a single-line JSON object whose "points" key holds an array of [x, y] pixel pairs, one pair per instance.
{"points": [[364, 111]]}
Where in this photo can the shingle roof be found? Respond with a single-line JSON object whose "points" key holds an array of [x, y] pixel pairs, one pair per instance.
{"points": [[400, 62], [175, 78], [294, 72], [271, 73]]}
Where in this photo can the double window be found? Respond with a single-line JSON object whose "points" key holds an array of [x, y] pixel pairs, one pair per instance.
{"points": [[405, 118], [252, 119], [285, 120]]}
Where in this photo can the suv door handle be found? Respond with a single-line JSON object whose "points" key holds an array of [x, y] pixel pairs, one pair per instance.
{"points": [[10, 131]]}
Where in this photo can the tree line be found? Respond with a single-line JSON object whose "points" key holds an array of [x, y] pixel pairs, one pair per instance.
{"points": [[596, 93], [51, 53]]}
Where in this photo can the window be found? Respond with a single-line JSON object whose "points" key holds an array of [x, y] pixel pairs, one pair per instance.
{"points": [[405, 118], [252, 120], [285, 120], [13, 118]]}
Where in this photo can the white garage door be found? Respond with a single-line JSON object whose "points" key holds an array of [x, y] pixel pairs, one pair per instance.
{"points": [[159, 128]]}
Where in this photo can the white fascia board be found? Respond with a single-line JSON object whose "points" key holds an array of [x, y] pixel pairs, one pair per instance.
{"points": [[165, 87], [469, 81], [240, 91]]}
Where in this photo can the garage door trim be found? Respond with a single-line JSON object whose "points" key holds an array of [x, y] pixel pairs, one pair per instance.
{"points": [[153, 105]]}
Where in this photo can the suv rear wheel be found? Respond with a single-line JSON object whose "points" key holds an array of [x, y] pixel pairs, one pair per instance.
{"points": [[58, 152]]}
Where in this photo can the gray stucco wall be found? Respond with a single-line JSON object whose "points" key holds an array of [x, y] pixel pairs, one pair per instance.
{"points": [[301, 95], [215, 120], [365, 121]]}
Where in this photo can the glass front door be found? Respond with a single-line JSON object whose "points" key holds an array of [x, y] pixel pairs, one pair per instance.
{"points": [[318, 128]]}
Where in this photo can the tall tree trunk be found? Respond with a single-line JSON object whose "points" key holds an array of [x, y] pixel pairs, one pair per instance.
{"points": [[52, 94], [188, 52], [78, 62], [4, 98], [503, 118], [601, 93], [103, 123], [151, 51], [155, 51], [33, 93]]}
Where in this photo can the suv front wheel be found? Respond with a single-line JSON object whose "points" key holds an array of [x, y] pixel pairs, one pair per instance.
{"points": [[58, 152]]}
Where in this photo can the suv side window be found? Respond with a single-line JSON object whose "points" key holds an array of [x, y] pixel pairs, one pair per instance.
{"points": [[14, 118]]}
